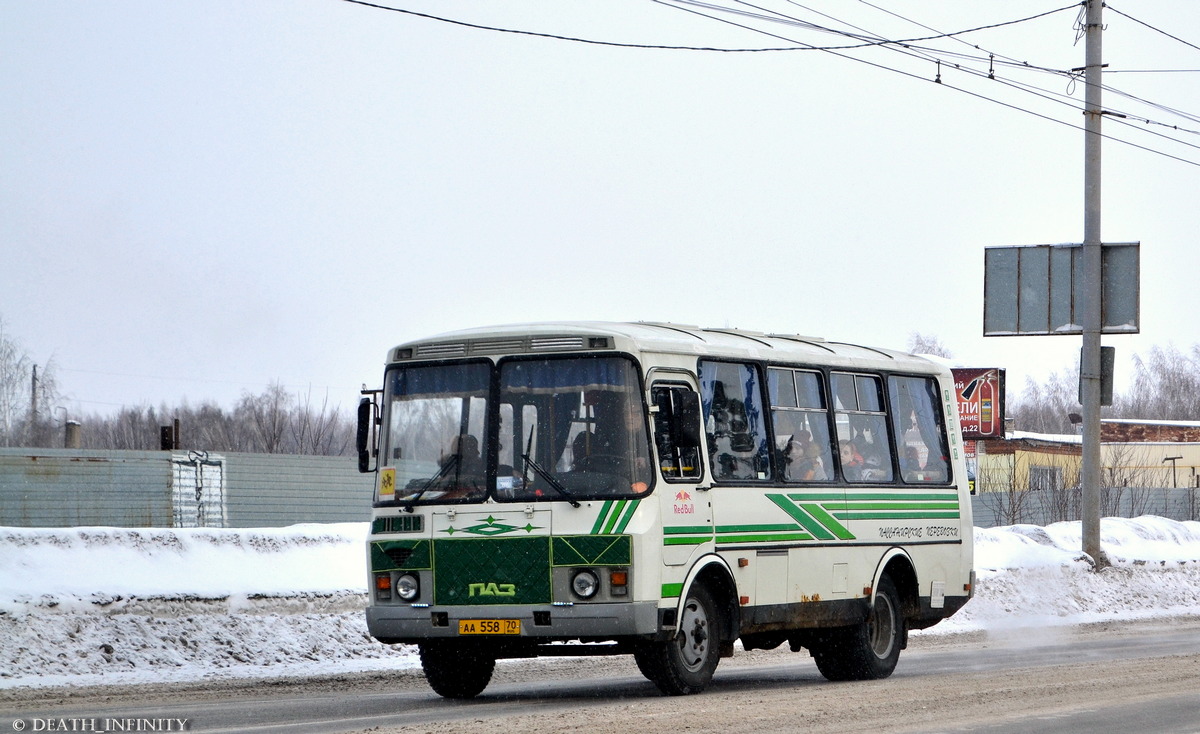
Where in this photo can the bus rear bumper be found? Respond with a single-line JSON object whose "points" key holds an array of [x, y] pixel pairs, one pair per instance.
{"points": [[404, 624]]}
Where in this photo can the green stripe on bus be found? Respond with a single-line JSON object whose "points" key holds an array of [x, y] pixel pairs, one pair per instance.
{"points": [[810, 524], [686, 541], [890, 506], [898, 515], [850, 496], [686, 529], [755, 528], [672, 590], [604, 508], [837, 497], [725, 539], [614, 516], [827, 520], [628, 515]]}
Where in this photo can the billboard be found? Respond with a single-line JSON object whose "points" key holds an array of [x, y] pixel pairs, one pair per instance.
{"points": [[1040, 289], [980, 393]]}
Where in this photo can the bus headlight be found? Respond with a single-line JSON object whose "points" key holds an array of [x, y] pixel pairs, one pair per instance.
{"points": [[408, 587], [585, 583]]}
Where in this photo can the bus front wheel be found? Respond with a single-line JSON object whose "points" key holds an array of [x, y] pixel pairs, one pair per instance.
{"points": [[685, 664], [456, 670], [868, 651]]}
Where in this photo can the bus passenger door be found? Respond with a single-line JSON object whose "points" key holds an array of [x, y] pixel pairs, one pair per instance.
{"points": [[687, 510]]}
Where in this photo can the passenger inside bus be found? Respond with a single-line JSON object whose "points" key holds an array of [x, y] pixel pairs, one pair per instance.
{"points": [[581, 450], [852, 461], [462, 468], [802, 460]]}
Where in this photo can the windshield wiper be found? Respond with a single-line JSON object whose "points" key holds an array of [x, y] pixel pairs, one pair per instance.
{"points": [[451, 463], [550, 479], [554, 483]]}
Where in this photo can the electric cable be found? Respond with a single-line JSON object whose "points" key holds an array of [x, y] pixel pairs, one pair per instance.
{"points": [[904, 46], [669, 3], [1156, 30]]}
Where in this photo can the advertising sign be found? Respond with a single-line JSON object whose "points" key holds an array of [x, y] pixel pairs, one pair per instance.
{"points": [[980, 402], [1039, 289]]}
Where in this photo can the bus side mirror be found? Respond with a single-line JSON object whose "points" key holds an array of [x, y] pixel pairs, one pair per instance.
{"points": [[686, 419], [366, 416]]}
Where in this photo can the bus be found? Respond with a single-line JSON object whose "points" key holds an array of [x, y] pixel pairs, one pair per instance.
{"points": [[661, 491]]}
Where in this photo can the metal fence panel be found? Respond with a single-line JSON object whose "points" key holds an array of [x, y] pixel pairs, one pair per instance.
{"points": [[74, 487], [78, 487]]}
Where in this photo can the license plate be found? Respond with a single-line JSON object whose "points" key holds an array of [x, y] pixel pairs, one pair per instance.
{"points": [[489, 626]]}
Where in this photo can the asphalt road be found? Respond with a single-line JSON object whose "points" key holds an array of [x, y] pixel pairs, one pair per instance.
{"points": [[1128, 678]]}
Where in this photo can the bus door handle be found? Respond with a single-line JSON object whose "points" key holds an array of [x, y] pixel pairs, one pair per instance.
{"points": [[703, 489]]}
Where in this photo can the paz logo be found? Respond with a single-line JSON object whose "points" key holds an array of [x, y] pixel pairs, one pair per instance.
{"points": [[683, 496], [492, 589]]}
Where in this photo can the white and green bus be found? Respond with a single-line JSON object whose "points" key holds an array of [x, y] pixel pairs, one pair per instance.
{"points": [[662, 491]]}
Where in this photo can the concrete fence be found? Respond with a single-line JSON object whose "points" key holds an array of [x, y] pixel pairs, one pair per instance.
{"points": [[78, 487], [1042, 507]]}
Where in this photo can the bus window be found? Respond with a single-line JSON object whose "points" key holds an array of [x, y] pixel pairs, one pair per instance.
{"points": [[676, 458], [734, 421], [919, 428], [435, 431], [864, 450], [571, 428], [801, 422]]}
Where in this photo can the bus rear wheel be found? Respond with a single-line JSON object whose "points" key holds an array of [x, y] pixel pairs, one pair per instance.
{"points": [[685, 664], [868, 651], [457, 670]]}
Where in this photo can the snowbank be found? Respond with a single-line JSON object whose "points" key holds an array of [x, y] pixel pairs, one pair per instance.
{"points": [[119, 606]]}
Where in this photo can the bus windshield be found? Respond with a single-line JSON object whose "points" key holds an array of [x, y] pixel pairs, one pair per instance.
{"points": [[572, 427], [434, 418], [565, 429]]}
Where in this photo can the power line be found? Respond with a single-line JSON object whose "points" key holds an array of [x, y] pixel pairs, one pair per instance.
{"points": [[978, 95], [574, 39], [904, 46], [1156, 30], [935, 54], [557, 37]]}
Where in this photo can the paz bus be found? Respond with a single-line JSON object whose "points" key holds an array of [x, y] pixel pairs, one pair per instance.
{"points": [[660, 491]]}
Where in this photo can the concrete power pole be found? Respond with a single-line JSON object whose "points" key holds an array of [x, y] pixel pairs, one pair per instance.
{"points": [[33, 400], [1090, 367]]}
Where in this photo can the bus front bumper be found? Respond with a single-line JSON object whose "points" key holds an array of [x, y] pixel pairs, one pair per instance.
{"points": [[405, 624]]}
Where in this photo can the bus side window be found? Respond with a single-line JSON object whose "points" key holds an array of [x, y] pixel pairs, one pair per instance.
{"points": [[864, 450], [677, 431], [919, 428], [734, 421], [801, 421]]}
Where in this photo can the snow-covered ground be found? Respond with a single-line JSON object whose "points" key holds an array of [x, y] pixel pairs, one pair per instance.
{"points": [[87, 606]]}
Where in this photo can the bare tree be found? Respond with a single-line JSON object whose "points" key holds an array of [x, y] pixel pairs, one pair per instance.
{"points": [[919, 343], [268, 414], [1125, 481], [315, 430], [1166, 386], [28, 396], [1001, 493], [1046, 408], [14, 387]]}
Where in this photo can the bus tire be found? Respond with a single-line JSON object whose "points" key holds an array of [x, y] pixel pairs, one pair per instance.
{"points": [[868, 651], [685, 664], [456, 670]]}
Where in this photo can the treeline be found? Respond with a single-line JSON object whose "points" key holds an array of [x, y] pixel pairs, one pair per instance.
{"points": [[274, 421], [1165, 386]]}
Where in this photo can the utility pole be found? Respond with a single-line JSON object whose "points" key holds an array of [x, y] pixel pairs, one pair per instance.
{"points": [[1090, 367], [33, 400]]}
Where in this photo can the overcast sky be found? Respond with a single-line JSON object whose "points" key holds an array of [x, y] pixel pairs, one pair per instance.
{"points": [[200, 198]]}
